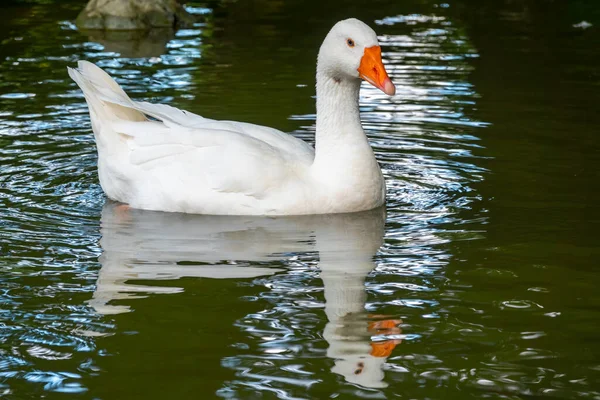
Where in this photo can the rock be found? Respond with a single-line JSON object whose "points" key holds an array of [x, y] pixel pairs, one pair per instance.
{"points": [[133, 15]]}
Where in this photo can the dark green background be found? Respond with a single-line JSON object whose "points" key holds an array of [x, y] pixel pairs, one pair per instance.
{"points": [[489, 251]]}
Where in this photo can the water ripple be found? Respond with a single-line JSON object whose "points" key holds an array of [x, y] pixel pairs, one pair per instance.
{"points": [[366, 305]]}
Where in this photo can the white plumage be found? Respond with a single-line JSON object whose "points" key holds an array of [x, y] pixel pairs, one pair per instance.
{"points": [[179, 161]]}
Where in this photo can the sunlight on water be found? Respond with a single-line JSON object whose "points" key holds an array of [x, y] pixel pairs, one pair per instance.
{"points": [[51, 201], [420, 299], [425, 141]]}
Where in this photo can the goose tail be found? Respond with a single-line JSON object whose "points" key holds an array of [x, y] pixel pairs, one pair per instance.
{"points": [[107, 102]]}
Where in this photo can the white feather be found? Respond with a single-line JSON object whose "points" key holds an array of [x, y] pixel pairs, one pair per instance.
{"points": [[183, 162]]}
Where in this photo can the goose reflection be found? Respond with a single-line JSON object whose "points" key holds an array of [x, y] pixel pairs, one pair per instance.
{"points": [[346, 245], [145, 245]]}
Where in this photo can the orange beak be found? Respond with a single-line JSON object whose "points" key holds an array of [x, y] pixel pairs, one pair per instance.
{"points": [[383, 349], [371, 69], [388, 327]]}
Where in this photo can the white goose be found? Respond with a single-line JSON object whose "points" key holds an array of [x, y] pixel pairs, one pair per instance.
{"points": [[181, 162]]}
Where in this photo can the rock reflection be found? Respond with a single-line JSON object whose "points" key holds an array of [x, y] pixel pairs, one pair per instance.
{"points": [[142, 245], [133, 44]]}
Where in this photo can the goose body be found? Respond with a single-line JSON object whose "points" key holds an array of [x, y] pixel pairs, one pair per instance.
{"points": [[181, 162]]}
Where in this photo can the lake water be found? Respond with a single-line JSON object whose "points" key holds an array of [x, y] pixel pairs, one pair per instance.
{"points": [[479, 279]]}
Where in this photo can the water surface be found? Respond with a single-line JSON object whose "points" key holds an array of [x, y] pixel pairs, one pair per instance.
{"points": [[478, 280]]}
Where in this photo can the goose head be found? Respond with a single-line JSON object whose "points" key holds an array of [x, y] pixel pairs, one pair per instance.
{"points": [[351, 52]]}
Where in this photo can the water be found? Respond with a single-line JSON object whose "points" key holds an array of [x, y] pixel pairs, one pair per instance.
{"points": [[479, 280]]}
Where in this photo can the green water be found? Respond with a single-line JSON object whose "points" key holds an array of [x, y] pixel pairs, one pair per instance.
{"points": [[487, 251]]}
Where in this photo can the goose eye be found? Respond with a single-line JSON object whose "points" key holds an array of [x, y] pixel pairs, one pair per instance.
{"points": [[350, 42]]}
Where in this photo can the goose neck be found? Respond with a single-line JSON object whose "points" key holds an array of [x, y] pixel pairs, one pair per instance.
{"points": [[338, 117]]}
